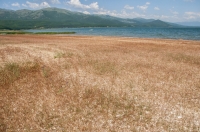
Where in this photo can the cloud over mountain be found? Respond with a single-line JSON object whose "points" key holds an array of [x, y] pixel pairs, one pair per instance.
{"points": [[16, 4], [167, 10], [144, 7], [128, 7], [36, 5], [78, 4], [156, 8]]}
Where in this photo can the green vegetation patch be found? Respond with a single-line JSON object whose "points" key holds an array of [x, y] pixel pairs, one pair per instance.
{"points": [[11, 71], [14, 32], [22, 32], [55, 33], [181, 57], [104, 67]]}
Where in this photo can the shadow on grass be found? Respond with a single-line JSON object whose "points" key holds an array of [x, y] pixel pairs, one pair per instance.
{"points": [[12, 71]]}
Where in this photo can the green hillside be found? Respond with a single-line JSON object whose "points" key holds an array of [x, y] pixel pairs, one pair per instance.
{"points": [[58, 18]]}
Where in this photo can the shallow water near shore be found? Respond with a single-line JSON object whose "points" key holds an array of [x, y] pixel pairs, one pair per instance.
{"points": [[165, 33]]}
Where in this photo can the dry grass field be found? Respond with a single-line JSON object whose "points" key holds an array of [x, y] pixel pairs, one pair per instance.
{"points": [[57, 83]]}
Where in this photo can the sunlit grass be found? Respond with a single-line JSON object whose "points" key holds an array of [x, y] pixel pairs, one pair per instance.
{"points": [[56, 83]]}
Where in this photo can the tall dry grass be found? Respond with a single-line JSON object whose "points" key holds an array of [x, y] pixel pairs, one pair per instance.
{"points": [[74, 83]]}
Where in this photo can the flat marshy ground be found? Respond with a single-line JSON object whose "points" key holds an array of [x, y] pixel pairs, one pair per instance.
{"points": [[82, 83]]}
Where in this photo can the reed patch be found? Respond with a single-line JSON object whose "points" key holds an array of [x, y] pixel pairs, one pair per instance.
{"points": [[12, 71], [104, 67], [181, 57]]}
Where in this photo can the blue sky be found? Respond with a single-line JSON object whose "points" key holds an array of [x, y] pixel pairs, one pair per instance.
{"points": [[167, 10]]}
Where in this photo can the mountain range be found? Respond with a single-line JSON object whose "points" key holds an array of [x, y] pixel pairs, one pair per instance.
{"points": [[58, 18]]}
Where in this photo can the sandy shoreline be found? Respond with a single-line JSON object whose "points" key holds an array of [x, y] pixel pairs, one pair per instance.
{"points": [[74, 35], [110, 37]]}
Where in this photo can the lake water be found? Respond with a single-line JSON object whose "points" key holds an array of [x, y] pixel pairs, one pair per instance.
{"points": [[166, 33]]}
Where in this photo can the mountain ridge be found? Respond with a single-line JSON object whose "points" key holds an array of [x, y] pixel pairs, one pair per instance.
{"points": [[58, 18]]}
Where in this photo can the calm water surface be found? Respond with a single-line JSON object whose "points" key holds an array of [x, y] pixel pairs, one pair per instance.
{"points": [[166, 33]]}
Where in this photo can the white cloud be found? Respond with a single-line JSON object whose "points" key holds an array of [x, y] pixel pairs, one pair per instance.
{"points": [[122, 14], [54, 1], [15, 4], [156, 8], [36, 5], [97, 10], [147, 3], [128, 7], [135, 14], [105, 12], [78, 4], [189, 0], [164, 17], [86, 12], [24, 5], [192, 15], [94, 5], [144, 7], [44, 5], [175, 12], [167, 18]]}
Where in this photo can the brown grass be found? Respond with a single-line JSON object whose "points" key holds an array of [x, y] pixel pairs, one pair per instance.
{"points": [[79, 83]]}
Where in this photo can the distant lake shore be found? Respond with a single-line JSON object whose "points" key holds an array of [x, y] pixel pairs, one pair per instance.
{"points": [[24, 32], [163, 33]]}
